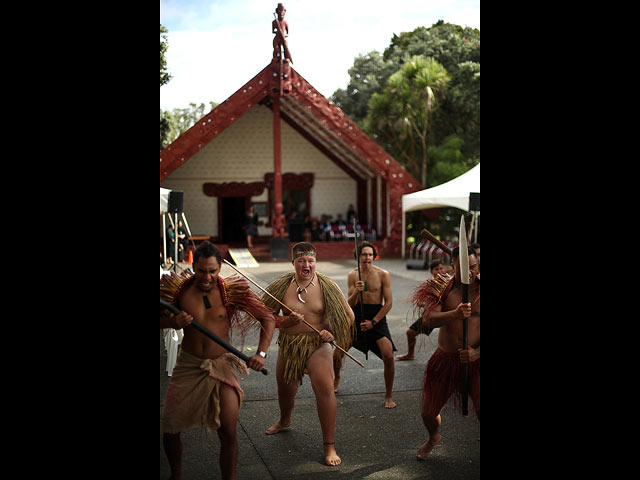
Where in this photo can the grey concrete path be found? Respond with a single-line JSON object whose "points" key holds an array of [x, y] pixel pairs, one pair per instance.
{"points": [[374, 443]]}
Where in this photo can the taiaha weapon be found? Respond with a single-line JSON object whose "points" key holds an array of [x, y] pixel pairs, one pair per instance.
{"points": [[426, 234], [287, 53], [359, 276], [291, 310], [208, 333], [464, 278]]}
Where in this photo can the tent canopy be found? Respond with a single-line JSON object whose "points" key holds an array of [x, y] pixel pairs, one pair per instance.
{"points": [[164, 200], [454, 193]]}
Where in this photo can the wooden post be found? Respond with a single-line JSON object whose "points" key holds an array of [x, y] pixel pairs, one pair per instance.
{"points": [[277, 165]]}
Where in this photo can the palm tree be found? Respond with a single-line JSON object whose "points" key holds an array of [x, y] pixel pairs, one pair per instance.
{"points": [[402, 113]]}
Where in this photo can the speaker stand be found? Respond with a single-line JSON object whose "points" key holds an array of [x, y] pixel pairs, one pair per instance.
{"points": [[174, 266], [279, 248], [175, 227], [186, 224], [175, 244]]}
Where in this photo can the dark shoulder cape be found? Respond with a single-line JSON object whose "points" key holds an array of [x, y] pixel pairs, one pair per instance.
{"points": [[431, 292]]}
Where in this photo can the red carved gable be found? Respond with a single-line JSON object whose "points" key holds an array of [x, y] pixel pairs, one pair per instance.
{"points": [[212, 124], [322, 109], [318, 119]]}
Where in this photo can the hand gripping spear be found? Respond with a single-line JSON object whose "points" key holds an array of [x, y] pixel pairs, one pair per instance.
{"points": [[464, 278], [303, 321], [208, 333]]}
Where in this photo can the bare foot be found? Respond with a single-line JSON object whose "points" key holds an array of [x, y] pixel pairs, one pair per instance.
{"points": [[331, 458], [427, 446], [406, 356], [276, 427], [336, 383], [388, 403]]}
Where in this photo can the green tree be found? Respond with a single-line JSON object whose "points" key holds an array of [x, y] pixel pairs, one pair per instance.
{"points": [[447, 160], [164, 79], [164, 45], [367, 76], [182, 119], [458, 113], [458, 50], [165, 128], [177, 121], [403, 111]]}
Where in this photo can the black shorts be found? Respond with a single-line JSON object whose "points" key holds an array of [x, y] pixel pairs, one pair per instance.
{"points": [[365, 341]]}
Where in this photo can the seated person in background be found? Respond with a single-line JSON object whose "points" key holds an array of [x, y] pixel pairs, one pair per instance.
{"points": [[476, 248], [351, 214]]}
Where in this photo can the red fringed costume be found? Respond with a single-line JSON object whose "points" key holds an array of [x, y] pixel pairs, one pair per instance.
{"points": [[442, 374], [193, 394], [243, 305]]}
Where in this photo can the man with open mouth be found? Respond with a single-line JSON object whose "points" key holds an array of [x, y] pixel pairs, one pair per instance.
{"points": [[318, 301]]}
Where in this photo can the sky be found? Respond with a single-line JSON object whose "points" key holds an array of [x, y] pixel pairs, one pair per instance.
{"points": [[216, 46]]}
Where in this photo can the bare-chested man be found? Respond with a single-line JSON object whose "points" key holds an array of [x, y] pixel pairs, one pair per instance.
{"points": [[442, 297], [204, 388], [372, 330], [316, 299]]}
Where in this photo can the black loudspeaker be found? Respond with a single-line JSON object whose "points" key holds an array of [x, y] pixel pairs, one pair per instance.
{"points": [[296, 229], [175, 201], [279, 248], [474, 202]]}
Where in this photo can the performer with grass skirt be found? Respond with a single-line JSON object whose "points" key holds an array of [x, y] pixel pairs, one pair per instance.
{"points": [[440, 300], [317, 300]]}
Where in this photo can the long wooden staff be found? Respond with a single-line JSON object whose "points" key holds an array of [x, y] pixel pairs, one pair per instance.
{"points": [[464, 278], [291, 310], [188, 231], [359, 276], [205, 331], [426, 234]]}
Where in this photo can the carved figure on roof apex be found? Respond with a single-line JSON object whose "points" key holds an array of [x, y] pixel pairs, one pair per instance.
{"points": [[280, 27], [281, 62]]}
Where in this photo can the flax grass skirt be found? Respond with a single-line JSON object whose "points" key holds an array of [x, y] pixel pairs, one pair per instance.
{"points": [[296, 348]]}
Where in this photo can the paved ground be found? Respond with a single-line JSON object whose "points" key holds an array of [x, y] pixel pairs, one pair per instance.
{"points": [[374, 443]]}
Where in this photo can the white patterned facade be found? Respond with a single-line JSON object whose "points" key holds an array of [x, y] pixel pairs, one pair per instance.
{"points": [[243, 152]]}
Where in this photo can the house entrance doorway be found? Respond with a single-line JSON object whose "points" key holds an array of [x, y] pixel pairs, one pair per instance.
{"points": [[232, 220]]}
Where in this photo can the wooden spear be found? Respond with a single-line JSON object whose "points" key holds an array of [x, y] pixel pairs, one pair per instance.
{"points": [[464, 278], [426, 234], [205, 331], [359, 276]]}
